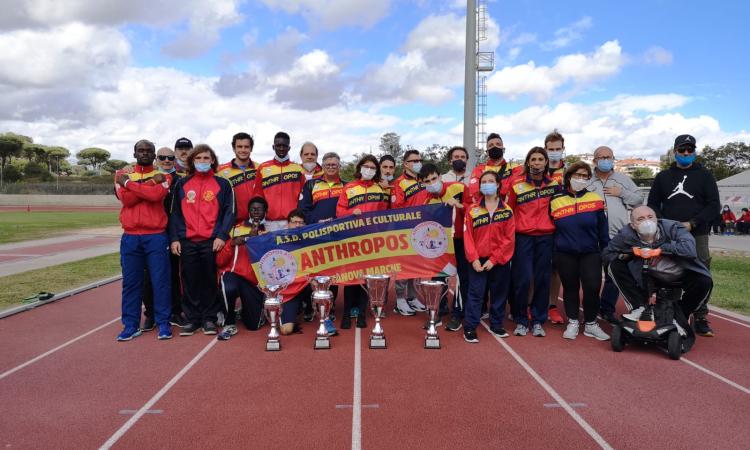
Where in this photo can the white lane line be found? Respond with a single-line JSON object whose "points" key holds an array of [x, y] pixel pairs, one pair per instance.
{"points": [[145, 408], [357, 400], [553, 393], [59, 347], [716, 375], [729, 320]]}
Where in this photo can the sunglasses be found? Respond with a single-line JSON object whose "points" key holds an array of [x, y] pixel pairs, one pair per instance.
{"points": [[686, 149], [165, 158]]}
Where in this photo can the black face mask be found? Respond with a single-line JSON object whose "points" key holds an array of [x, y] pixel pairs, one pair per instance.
{"points": [[495, 153], [458, 165], [535, 171]]}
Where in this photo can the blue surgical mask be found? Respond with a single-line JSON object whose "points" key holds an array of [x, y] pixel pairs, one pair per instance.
{"points": [[685, 160], [416, 167], [605, 165], [203, 167], [555, 156], [488, 188], [172, 170], [435, 187]]}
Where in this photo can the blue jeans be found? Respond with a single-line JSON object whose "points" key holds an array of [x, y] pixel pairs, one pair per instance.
{"points": [[498, 281], [138, 251]]}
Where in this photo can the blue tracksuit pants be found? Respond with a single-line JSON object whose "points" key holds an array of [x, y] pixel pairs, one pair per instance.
{"points": [[138, 251], [532, 260]]}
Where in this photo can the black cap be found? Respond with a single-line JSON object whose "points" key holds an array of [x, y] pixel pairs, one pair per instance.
{"points": [[684, 140], [183, 142]]}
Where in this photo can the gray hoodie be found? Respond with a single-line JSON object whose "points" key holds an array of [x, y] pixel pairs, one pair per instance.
{"points": [[617, 208]]}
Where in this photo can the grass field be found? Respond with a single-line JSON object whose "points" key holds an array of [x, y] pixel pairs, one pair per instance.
{"points": [[56, 279], [731, 283], [21, 225]]}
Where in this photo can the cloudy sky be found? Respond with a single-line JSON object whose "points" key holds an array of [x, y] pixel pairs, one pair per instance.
{"points": [[106, 73]]}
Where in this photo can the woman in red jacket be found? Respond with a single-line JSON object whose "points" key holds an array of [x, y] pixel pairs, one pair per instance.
{"points": [[202, 216], [489, 239], [728, 219], [364, 194]]}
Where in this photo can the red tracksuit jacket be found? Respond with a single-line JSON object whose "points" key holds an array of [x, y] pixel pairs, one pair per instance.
{"points": [[530, 205], [505, 170], [280, 184], [489, 237], [243, 183], [142, 200], [202, 208], [365, 195], [451, 189]]}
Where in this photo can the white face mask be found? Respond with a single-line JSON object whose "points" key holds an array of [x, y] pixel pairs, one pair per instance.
{"points": [[367, 173], [647, 228], [309, 166], [284, 159], [555, 156], [388, 178], [579, 185]]}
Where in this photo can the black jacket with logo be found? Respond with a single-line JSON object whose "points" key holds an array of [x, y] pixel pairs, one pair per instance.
{"points": [[686, 195]]}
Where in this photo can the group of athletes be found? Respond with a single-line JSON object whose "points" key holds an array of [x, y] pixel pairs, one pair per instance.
{"points": [[520, 231]]}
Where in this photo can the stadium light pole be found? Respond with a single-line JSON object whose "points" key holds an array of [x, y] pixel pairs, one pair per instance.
{"points": [[470, 83]]}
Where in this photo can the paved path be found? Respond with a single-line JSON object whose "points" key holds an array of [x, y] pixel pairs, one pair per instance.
{"points": [[730, 243], [29, 255]]}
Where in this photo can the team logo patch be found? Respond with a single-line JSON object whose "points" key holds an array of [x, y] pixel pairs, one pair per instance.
{"points": [[209, 196], [278, 267], [190, 196], [267, 171], [429, 239], [226, 172]]}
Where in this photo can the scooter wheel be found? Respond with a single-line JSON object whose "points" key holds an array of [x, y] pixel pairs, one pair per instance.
{"points": [[617, 339], [674, 345]]}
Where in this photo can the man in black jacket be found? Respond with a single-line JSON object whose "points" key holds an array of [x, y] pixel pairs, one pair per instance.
{"points": [[687, 192]]}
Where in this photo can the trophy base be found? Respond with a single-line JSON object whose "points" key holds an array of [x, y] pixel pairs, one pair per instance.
{"points": [[322, 344], [432, 343], [377, 342], [273, 346]]}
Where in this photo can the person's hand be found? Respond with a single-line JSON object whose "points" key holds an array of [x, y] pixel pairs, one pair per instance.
{"points": [[122, 179], [159, 178], [176, 248], [238, 241], [383, 184], [687, 225], [357, 212], [452, 202], [488, 265], [218, 244], [477, 266], [613, 191]]}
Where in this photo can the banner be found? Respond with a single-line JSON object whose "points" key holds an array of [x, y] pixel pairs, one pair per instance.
{"points": [[405, 243]]}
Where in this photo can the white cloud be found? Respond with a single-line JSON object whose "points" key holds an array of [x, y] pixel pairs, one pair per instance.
{"points": [[331, 14], [569, 34], [658, 56], [541, 82]]}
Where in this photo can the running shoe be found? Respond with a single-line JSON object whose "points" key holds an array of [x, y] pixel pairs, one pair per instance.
{"points": [[189, 329], [521, 330], [703, 328], [403, 308], [571, 331], [635, 314], [454, 324], [227, 332], [165, 331], [595, 331], [330, 328], [499, 332], [537, 330], [148, 324], [128, 334], [416, 305], [471, 337], [209, 328]]}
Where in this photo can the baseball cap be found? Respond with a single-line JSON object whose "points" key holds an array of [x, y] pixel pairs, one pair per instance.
{"points": [[684, 140], [183, 142]]}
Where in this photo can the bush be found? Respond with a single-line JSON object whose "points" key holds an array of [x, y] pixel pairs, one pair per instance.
{"points": [[36, 171], [11, 174]]}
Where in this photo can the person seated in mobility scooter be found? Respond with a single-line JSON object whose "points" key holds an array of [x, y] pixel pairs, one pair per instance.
{"points": [[650, 261]]}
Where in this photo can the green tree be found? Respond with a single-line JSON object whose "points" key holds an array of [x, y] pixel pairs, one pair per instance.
{"points": [[93, 157], [36, 171], [114, 165], [390, 143], [438, 155], [642, 173], [11, 174], [36, 153], [10, 147], [56, 157], [570, 159], [726, 160]]}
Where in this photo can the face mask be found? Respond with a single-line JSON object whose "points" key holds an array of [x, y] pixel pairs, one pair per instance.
{"points": [[647, 228], [495, 153], [579, 185], [309, 166], [367, 173], [458, 165], [416, 167], [172, 170], [685, 160], [726, 209], [536, 171], [435, 187], [203, 167], [488, 188], [605, 165], [388, 178], [555, 156], [284, 159]]}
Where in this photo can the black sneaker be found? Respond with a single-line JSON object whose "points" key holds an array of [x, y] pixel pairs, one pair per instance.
{"points": [[702, 328], [148, 324], [499, 332], [454, 325], [309, 316], [177, 320], [362, 320], [189, 329], [610, 317], [346, 322], [209, 328], [470, 336]]}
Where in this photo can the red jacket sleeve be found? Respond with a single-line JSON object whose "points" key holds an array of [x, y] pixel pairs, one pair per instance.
{"points": [[127, 198], [342, 207], [397, 196], [151, 192], [503, 251], [225, 256], [470, 248], [512, 199], [258, 188]]}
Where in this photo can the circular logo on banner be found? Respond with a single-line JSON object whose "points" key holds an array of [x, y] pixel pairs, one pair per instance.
{"points": [[278, 267], [429, 239]]}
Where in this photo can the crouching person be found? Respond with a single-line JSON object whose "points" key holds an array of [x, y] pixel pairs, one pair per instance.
{"points": [[678, 264]]}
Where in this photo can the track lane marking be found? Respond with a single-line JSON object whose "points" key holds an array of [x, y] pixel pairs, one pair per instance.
{"points": [[710, 372], [357, 396], [152, 401], [729, 320], [59, 347], [552, 392]]}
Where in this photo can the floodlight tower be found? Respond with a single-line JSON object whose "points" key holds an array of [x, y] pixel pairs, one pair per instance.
{"points": [[475, 87]]}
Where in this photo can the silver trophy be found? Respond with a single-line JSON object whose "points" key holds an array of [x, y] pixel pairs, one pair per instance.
{"points": [[272, 306], [322, 299], [431, 292], [377, 291]]}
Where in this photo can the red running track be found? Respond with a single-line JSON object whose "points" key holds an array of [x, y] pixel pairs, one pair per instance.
{"points": [[32, 250], [467, 396]]}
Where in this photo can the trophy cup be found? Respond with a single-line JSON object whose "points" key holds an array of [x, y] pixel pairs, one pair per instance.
{"points": [[377, 291], [272, 307], [431, 293], [322, 299]]}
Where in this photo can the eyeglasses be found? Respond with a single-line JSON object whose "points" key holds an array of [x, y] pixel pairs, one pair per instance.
{"points": [[331, 166], [580, 176], [414, 160], [686, 149], [165, 158], [296, 222], [606, 158]]}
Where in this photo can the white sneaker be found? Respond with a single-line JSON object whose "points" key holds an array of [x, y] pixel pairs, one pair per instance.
{"points": [[595, 331], [403, 308], [571, 331], [520, 330], [416, 305], [537, 330], [635, 314]]}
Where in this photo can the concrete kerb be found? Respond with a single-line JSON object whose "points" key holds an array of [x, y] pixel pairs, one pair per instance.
{"points": [[60, 296]]}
